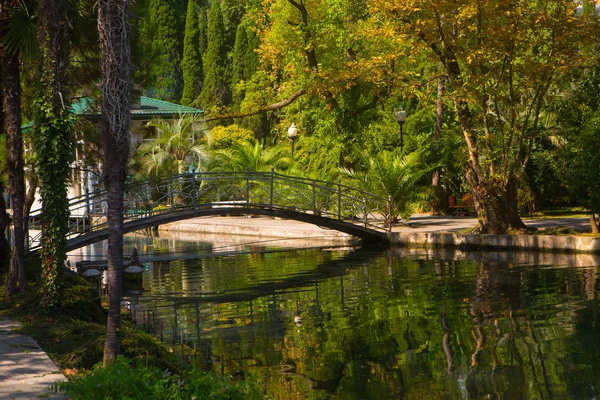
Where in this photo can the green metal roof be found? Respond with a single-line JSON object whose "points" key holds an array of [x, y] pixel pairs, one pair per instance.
{"points": [[148, 108]]}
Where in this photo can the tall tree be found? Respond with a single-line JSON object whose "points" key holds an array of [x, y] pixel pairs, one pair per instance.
{"points": [[11, 117], [114, 33], [215, 90], [191, 64], [53, 143], [203, 28], [166, 75], [239, 53], [245, 59], [501, 60]]}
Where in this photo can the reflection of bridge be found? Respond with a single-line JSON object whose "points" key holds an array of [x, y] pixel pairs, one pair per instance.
{"points": [[152, 203]]}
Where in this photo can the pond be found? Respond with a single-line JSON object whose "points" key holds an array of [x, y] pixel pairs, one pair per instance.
{"points": [[375, 323]]}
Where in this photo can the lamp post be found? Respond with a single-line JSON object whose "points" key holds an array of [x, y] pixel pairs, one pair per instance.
{"points": [[293, 135], [401, 117]]}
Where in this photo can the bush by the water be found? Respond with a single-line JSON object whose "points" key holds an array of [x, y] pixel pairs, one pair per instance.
{"points": [[121, 380]]}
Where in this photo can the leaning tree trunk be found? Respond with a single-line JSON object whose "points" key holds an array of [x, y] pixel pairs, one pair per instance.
{"points": [[113, 29], [11, 103]]}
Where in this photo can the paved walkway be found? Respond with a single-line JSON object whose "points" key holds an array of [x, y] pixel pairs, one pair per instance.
{"points": [[276, 227], [26, 372]]}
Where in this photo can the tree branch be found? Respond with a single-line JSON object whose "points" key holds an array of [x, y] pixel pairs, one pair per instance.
{"points": [[270, 107]]}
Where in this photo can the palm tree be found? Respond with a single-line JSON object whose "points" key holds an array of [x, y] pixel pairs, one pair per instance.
{"points": [[396, 176], [19, 37], [113, 28], [250, 156], [175, 148]]}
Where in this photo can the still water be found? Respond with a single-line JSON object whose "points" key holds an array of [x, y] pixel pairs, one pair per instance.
{"points": [[372, 323]]}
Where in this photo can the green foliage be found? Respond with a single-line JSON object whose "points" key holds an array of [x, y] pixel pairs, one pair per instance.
{"points": [[202, 28], [250, 156], [121, 380], [215, 90], [225, 136], [53, 142], [191, 64], [175, 147], [166, 74], [390, 175], [239, 52], [20, 31], [245, 60], [580, 119]]}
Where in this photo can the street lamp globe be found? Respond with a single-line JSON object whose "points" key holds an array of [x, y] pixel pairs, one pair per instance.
{"points": [[292, 135], [401, 117]]}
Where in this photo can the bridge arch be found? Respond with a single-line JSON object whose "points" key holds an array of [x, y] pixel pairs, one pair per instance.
{"points": [[184, 196]]}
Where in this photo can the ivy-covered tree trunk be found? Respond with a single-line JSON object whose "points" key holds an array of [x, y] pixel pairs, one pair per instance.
{"points": [[113, 29], [11, 107], [53, 142]]}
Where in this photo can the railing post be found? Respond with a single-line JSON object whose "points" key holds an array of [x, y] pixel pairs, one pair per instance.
{"points": [[390, 208], [172, 195], [339, 199], [365, 211], [194, 204], [88, 212], [150, 208], [247, 187], [314, 197], [272, 184]]}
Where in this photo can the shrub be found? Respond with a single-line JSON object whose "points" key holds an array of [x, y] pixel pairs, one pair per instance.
{"points": [[121, 380]]}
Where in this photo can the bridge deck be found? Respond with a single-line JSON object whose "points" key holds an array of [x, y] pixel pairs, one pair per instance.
{"points": [[147, 204]]}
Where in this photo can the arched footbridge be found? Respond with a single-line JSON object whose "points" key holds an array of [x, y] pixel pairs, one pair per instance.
{"points": [[183, 196]]}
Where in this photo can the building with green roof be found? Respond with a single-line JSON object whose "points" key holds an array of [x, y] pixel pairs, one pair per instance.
{"points": [[147, 109]]}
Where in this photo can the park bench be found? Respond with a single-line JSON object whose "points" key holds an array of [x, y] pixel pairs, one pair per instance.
{"points": [[464, 206]]}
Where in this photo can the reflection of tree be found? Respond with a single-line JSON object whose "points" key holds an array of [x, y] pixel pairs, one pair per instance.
{"points": [[385, 328], [446, 344]]}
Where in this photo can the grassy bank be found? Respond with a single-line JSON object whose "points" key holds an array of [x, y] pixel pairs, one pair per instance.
{"points": [[73, 336]]}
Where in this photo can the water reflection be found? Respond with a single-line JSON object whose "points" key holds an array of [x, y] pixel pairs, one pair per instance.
{"points": [[381, 324]]}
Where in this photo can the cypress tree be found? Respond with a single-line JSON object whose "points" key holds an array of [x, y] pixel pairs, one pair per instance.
{"points": [[203, 29], [215, 90], [166, 74], [239, 54], [245, 59], [232, 11], [191, 64], [251, 56]]}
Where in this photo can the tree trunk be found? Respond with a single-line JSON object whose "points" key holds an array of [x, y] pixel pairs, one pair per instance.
{"points": [[113, 30], [496, 206], [4, 224], [593, 222], [438, 192], [11, 102], [53, 131]]}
